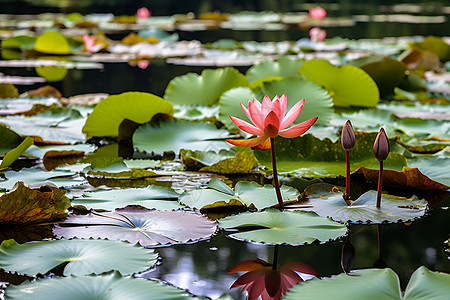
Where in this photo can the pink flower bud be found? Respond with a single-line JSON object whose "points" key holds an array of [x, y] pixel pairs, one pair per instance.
{"points": [[317, 13], [143, 13]]}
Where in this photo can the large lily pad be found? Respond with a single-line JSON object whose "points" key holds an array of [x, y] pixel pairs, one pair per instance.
{"points": [[176, 135], [204, 89], [347, 85], [52, 42], [149, 197], [230, 104], [135, 106], [245, 194], [83, 257], [25, 205], [327, 203], [137, 225], [275, 227], [318, 102], [382, 284], [268, 70], [109, 287]]}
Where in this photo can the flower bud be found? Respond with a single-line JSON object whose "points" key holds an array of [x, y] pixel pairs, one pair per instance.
{"points": [[348, 136], [381, 145]]}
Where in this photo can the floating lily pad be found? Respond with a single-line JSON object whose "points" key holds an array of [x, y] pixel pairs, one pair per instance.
{"points": [[135, 106], [224, 162], [83, 257], [37, 177], [9, 140], [269, 70], [25, 205], [382, 284], [245, 194], [230, 104], [24, 42], [176, 135], [328, 203], [149, 197], [138, 225], [116, 169], [275, 227], [52, 42], [204, 89], [347, 85], [108, 287]]}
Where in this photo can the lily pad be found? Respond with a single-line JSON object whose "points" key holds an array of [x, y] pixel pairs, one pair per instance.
{"points": [[275, 227], [149, 197], [347, 85], [109, 287], [436, 45], [224, 162], [38, 177], [9, 140], [15, 153], [382, 284], [24, 42], [268, 70], [138, 225], [230, 104], [52, 42], [83, 257], [245, 194], [135, 106], [25, 205], [176, 135], [204, 89], [327, 203], [318, 102]]}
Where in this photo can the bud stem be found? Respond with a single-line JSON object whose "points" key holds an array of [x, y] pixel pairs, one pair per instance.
{"points": [[275, 175], [380, 184], [347, 177]]}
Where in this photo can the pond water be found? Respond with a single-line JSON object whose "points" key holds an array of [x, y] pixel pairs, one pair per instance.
{"points": [[201, 267]]}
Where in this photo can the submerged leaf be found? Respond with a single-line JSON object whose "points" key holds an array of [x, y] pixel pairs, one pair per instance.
{"points": [[82, 257], [25, 205], [138, 225]]}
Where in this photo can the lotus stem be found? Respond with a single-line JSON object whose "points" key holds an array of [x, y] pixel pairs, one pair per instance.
{"points": [[347, 177], [275, 258], [276, 184], [380, 184]]}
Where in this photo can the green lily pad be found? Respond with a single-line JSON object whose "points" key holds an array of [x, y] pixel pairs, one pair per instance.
{"points": [[195, 112], [245, 194], [116, 169], [136, 224], [268, 70], [15, 153], [204, 89], [382, 284], [52, 42], [432, 167], [109, 287], [24, 42], [287, 227], [135, 106], [318, 102], [176, 135], [327, 203], [230, 104], [52, 73], [347, 85], [37, 177], [83, 257], [436, 45], [9, 140], [224, 162], [149, 197]]}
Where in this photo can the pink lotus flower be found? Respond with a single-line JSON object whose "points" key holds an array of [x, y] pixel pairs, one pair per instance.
{"points": [[143, 13], [89, 42], [271, 120], [143, 64], [317, 13], [262, 280], [317, 35]]}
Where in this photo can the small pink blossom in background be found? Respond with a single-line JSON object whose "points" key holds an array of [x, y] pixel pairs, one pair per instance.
{"points": [[317, 13], [143, 13], [143, 64], [89, 42], [317, 35]]}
